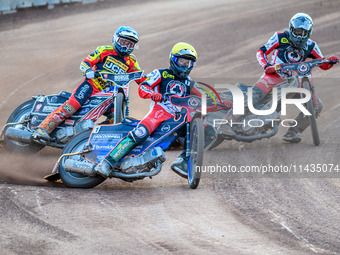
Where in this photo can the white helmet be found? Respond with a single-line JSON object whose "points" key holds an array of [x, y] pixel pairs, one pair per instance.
{"points": [[300, 29]]}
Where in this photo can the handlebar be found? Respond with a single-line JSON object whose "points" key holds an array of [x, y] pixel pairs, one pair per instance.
{"points": [[301, 68], [119, 79]]}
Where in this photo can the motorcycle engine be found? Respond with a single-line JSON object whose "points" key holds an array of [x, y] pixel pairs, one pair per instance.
{"points": [[257, 124], [144, 162], [66, 133]]}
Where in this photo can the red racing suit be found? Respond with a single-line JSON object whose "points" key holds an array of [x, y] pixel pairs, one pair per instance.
{"points": [[284, 52], [104, 58], [164, 81]]}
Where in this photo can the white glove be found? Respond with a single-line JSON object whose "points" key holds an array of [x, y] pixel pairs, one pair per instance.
{"points": [[89, 74]]}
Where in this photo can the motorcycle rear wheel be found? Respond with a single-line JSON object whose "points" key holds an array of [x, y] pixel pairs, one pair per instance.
{"points": [[74, 180], [312, 117], [19, 115], [195, 160]]}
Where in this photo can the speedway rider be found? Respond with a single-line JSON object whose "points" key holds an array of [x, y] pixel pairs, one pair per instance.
{"points": [[290, 46], [116, 59], [174, 80]]}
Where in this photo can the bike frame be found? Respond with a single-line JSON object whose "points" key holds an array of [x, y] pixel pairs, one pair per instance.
{"points": [[303, 71], [105, 137], [126, 91], [93, 108], [121, 84], [162, 137]]}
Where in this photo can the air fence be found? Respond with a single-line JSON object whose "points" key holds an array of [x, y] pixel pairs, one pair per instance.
{"points": [[11, 6]]}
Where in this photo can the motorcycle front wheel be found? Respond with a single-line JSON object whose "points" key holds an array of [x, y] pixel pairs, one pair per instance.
{"points": [[195, 160], [312, 117], [75, 180]]}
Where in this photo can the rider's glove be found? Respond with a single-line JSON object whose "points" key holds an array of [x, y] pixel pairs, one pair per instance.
{"points": [[89, 74], [270, 70], [157, 97], [333, 59]]}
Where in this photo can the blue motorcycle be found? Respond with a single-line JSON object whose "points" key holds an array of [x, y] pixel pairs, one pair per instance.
{"points": [[76, 165]]}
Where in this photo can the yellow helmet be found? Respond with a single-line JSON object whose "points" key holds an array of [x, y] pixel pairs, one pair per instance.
{"points": [[182, 50]]}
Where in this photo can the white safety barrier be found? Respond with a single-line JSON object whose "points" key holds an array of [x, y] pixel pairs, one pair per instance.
{"points": [[11, 6]]}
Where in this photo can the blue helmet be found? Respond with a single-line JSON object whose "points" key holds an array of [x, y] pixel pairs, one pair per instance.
{"points": [[300, 29], [125, 40]]}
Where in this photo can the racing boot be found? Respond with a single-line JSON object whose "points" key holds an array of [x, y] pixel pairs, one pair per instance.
{"points": [[105, 167], [41, 135], [180, 166], [291, 135], [110, 162]]}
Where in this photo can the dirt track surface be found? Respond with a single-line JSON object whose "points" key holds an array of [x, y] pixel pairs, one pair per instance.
{"points": [[163, 216]]}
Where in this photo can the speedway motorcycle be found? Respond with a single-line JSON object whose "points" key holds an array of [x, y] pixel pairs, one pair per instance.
{"points": [[265, 126], [76, 165], [113, 103]]}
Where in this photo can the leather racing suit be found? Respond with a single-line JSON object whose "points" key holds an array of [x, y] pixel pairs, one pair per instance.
{"points": [[164, 81], [284, 52]]}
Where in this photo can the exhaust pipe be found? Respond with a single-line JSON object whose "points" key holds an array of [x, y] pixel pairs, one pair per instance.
{"points": [[79, 167], [18, 135], [87, 168]]}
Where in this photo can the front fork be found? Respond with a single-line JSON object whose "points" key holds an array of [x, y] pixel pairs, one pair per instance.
{"points": [[115, 109], [115, 93]]}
